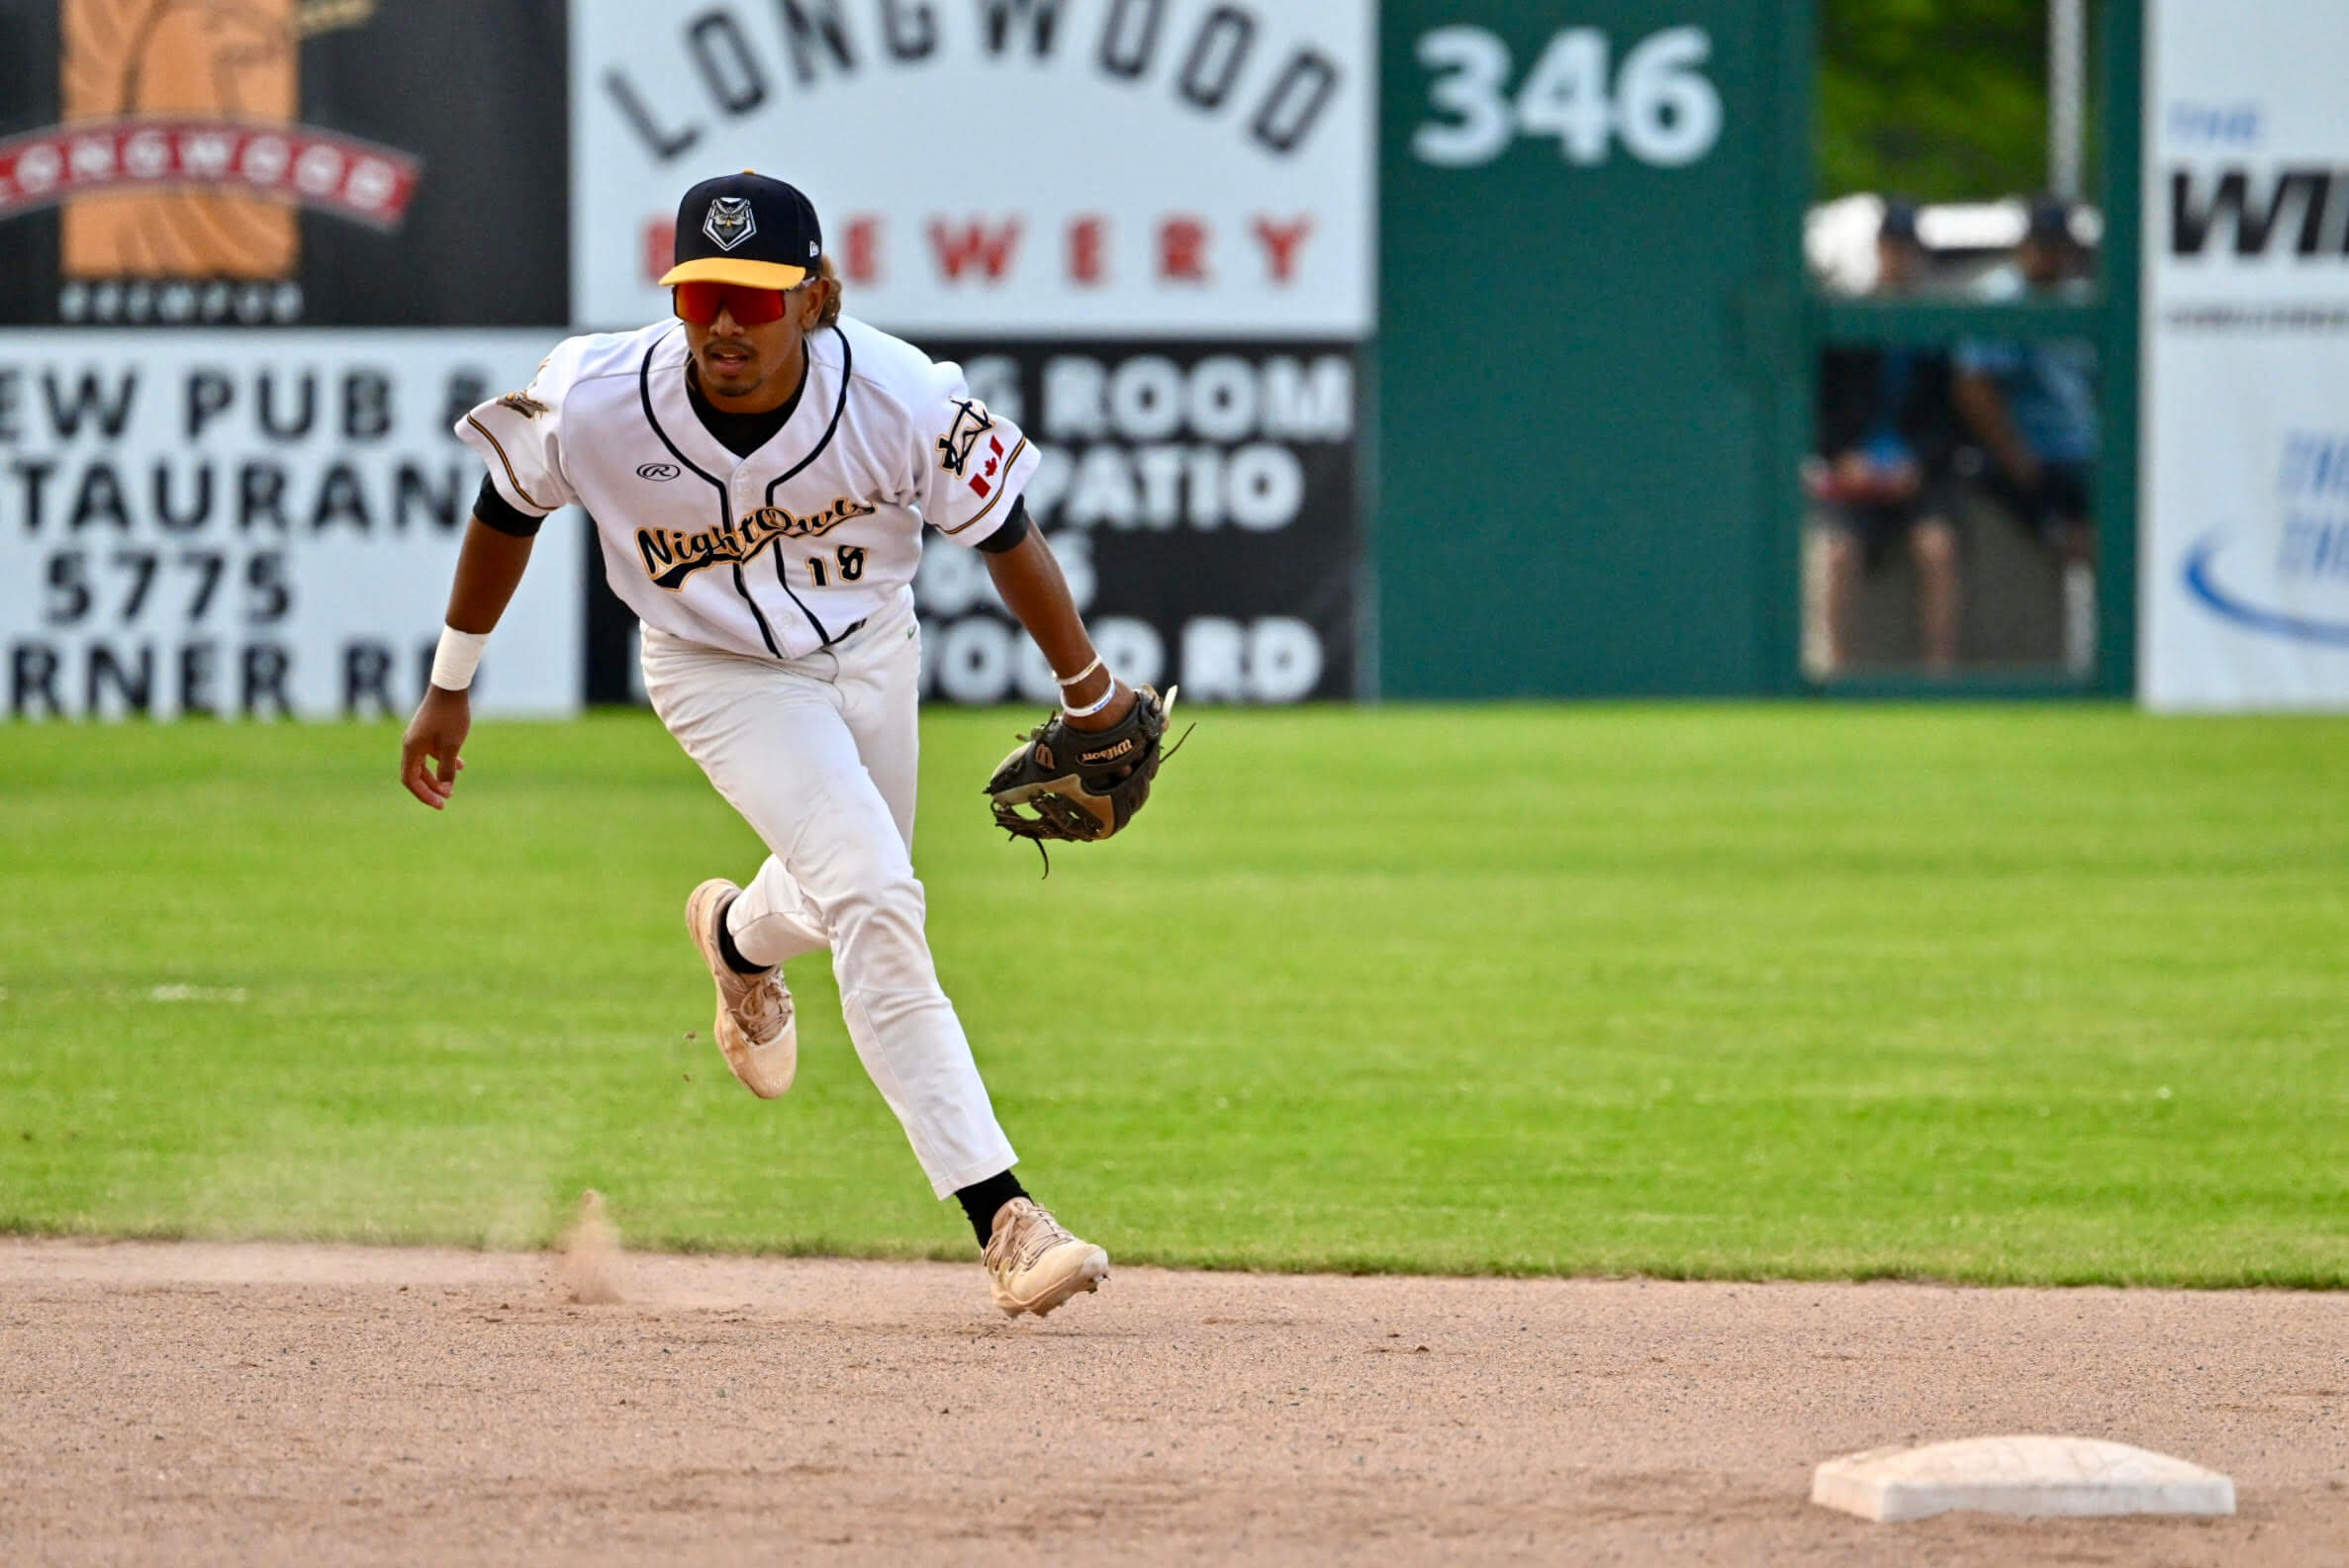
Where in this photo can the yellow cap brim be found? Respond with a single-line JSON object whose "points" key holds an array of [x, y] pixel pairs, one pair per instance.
{"points": [[726, 269]]}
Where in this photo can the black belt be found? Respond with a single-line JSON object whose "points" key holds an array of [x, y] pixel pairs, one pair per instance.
{"points": [[844, 636]]}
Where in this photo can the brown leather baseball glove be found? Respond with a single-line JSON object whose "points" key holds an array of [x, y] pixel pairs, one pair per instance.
{"points": [[1078, 785]]}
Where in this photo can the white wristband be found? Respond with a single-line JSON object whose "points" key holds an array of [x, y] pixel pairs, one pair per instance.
{"points": [[458, 655], [1077, 678], [1091, 708]]}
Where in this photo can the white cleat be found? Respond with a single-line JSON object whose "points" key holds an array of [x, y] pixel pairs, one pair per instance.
{"points": [[755, 1027], [1033, 1264]]}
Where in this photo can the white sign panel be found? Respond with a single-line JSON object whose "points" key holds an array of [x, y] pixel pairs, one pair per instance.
{"points": [[2245, 508], [258, 524], [1007, 167]]}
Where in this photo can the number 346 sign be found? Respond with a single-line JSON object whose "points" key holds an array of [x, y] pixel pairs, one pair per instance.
{"points": [[1658, 104]]}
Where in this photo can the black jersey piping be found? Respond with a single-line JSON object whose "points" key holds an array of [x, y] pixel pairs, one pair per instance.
{"points": [[766, 632], [783, 580], [839, 407], [725, 513]]}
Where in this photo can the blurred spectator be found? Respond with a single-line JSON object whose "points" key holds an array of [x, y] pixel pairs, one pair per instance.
{"points": [[1886, 436], [2033, 405]]}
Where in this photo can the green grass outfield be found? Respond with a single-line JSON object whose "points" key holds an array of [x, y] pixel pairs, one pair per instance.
{"points": [[1998, 994]]}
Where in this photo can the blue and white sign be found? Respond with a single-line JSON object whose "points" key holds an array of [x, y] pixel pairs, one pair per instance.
{"points": [[2245, 507]]}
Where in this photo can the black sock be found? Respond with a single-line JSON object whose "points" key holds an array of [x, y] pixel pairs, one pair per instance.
{"points": [[730, 953], [982, 1199]]}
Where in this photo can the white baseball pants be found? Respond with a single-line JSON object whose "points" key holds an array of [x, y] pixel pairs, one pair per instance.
{"points": [[819, 756]]}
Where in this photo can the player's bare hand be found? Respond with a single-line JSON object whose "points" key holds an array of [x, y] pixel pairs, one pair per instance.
{"points": [[434, 735]]}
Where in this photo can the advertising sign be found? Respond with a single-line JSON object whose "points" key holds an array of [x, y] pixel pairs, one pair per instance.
{"points": [[2246, 410], [1201, 500], [1142, 226], [1016, 168], [256, 523], [281, 162]]}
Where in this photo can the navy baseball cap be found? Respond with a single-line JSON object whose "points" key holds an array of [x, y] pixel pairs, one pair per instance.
{"points": [[746, 229]]}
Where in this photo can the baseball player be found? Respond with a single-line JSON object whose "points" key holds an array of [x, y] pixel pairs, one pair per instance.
{"points": [[760, 470]]}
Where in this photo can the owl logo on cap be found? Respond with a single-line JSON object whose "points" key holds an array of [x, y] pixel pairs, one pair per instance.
{"points": [[729, 222]]}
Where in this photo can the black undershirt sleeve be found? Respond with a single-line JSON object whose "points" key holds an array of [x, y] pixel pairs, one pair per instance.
{"points": [[1014, 530], [502, 515]]}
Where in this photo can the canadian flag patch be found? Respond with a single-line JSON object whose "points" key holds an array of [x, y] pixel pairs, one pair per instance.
{"points": [[982, 480]]}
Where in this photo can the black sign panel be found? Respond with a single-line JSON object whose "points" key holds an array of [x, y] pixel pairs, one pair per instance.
{"points": [[1202, 499], [283, 162]]}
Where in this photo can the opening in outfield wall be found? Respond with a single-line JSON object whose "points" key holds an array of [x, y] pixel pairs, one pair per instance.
{"points": [[1951, 506], [1951, 517]]}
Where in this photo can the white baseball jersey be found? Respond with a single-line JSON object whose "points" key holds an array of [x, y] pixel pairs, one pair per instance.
{"points": [[779, 553]]}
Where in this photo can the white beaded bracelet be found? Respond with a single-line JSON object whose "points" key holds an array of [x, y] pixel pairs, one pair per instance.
{"points": [[457, 657], [1091, 708]]}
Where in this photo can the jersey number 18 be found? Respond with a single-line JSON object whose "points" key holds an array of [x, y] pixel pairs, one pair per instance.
{"points": [[852, 565]]}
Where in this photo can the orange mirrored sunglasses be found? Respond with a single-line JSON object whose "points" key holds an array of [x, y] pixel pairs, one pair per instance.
{"points": [[700, 302]]}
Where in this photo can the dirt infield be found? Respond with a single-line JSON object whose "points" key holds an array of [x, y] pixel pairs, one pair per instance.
{"points": [[276, 1403]]}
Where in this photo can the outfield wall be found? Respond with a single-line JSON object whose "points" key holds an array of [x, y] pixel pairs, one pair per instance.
{"points": [[1590, 410], [1427, 349]]}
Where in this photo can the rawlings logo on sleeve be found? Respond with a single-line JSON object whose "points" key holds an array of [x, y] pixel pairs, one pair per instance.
{"points": [[672, 555]]}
